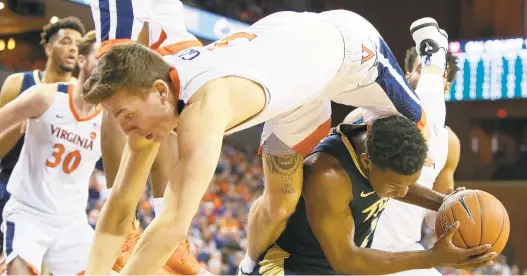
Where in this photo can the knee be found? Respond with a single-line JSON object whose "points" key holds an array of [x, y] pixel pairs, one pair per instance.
{"points": [[278, 211]]}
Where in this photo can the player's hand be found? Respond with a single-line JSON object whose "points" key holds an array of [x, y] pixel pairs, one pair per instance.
{"points": [[450, 192], [447, 254]]}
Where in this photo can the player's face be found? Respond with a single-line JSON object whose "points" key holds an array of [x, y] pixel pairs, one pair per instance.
{"points": [[91, 60], [62, 49], [88, 63], [148, 115], [413, 76], [387, 183]]}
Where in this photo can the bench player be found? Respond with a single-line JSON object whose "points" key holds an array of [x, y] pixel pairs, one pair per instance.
{"points": [[60, 43], [399, 228], [283, 71], [49, 184], [148, 22]]}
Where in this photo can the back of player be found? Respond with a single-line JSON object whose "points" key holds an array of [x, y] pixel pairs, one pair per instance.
{"points": [[297, 251], [49, 188]]}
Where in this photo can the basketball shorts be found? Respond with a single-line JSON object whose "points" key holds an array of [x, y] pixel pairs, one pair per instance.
{"points": [[63, 249]]}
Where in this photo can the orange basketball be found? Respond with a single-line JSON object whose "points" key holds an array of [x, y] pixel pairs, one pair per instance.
{"points": [[482, 220]]}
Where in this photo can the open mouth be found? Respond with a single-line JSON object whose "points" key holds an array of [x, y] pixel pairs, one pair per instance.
{"points": [[71, 59], [149, 136]]}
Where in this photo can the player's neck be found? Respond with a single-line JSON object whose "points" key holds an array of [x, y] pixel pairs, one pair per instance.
{"points": [[81, 106], [51, 75]]}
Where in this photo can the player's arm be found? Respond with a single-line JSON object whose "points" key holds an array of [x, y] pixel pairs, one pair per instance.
{"points": [[113, 141], [31, 104], [423, 197], [118, 211], [445, 180], [10, 90], [201, 127], [328, 192]]}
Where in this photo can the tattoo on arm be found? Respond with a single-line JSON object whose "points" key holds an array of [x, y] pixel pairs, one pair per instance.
{"points": [[286, 165]]}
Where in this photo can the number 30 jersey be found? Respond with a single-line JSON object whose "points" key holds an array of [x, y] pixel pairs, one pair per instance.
{"points": [[58, 157]]}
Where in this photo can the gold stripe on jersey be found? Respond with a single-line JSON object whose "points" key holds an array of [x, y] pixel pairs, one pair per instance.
{"points": [[273, 262], [351, 150]]}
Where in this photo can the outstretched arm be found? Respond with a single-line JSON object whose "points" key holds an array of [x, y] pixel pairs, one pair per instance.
{"points": [[31, 104], [118, 211], [200, 134]]}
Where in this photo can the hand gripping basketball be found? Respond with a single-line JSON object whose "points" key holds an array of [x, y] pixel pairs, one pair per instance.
{"points": [[447, 254]]}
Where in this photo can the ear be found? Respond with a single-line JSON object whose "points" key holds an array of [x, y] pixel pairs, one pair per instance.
{"points": [[81, 61], [407, 76], [161, 87], [365, 161], [48, 49]]}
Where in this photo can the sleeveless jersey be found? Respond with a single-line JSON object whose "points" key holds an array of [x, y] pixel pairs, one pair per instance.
{"points": [[400, 225], [298, 240], [58, 157], [9, 161]]}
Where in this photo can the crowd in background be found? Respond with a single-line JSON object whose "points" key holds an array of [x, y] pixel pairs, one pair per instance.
{"points": [[219, 230]]}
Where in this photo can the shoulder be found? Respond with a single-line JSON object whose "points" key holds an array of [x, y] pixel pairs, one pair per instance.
{"points": [[325, 180], [11, 88]]}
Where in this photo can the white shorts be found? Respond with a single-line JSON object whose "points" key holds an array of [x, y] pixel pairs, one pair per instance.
{"points": [[63, 249]]}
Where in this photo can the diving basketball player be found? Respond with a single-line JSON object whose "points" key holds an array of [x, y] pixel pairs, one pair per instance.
{"points": [[271, 73], [160, 24], [45, 218], [60, 43], [399, 228]]}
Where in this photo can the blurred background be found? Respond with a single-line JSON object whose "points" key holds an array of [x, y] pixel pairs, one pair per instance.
{"points": [[486, 106]]}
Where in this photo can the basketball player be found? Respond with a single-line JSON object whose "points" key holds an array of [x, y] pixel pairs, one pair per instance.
{"points": [[399, 228], [270, 73], [60, 43], [160, 25], [45, 218], [348, 179]]}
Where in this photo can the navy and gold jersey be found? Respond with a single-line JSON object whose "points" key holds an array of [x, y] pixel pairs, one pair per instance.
{"points": [[7, 163], [297, 250]]}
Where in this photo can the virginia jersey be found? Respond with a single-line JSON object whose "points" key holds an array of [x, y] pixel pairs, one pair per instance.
{"points": [[58, 157], [400, 224], [298, 246]]}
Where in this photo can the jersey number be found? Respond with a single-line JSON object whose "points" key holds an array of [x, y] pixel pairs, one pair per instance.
{"points": [[223, 43], [71, 161]]}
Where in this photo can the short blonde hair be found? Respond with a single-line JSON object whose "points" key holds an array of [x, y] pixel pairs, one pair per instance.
{"points": [[133, 67]]}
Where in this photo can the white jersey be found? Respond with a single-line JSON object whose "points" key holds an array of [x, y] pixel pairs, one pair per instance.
{"points": [[399, 226], [303, 61], [58, 157]]}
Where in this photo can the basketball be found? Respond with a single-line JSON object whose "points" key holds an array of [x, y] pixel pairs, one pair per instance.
{"points": [[482, 220]]}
